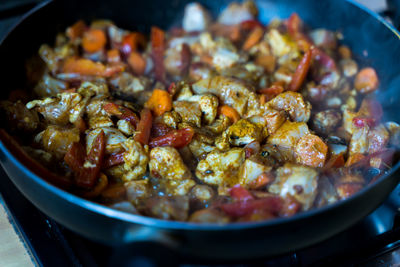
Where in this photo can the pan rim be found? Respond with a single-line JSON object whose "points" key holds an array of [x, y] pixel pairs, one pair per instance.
{"points": [[177, 225]]}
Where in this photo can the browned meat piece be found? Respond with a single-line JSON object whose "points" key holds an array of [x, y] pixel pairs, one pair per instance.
{"points": [[18, 117], [56, 139], [168, 208], [325, 122]]}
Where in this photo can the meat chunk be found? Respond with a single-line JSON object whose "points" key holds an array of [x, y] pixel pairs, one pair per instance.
{"points": [[137, 189], [208, 105], [49, 86], [166, 164], [297, 181], [236, 13], [189, 112], [294, 104], [209, 215], [230, 91], [221, 168], [97, 116], [61, 109], [128, 85], [18, 117], [114, 139], [325, 122], [289, 134], [378, 138], [359, 141], [251, 170], [195, 18], [136, 159], [56, 139], [168, 208], [243, 132]]}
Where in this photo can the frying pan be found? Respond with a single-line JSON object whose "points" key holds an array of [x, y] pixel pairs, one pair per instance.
{"points": [[372, 40]]}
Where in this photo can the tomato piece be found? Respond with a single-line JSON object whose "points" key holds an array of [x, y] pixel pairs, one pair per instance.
{"points": [[324, 59], [176, 138], [144, 127], [160, 129], [31, 163], [158, 48], [301, 71], [242, 208], [114, 160], [122, 113], [240, 193]]}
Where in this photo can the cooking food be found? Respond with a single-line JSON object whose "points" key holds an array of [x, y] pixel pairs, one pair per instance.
{"points": [[215, 122]]}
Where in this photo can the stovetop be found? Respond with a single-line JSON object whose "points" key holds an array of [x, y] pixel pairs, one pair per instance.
{"points": [[374, 241]]}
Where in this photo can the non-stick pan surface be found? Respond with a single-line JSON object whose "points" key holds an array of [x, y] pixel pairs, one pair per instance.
{"points": [[371, 39]]}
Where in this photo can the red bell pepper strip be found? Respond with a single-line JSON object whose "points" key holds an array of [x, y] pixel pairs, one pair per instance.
{"points": [[86, 169], [240, 193], [301, 71], [242, 208], [122, 113], [250, 24], [31, 163], [114, 160], [144, 127], [158, 48], [176, 138]]}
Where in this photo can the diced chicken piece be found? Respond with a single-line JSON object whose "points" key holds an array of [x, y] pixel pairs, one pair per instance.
{"points": [[250, 170], [270, 121], [394, 131], [236, 13], [348, 185], [221, 168], [195, 18], [114, 139], [224, 58], [281, 46], [325, 122], [349, 67], [125, 84], [324, 38], [57, 140], [297, 181], [209, 215], [311, 151], [166, 163], [202, 192], [359, 141], [97, 116], [348, 124], [199, 148], [138, 189], [177, 60], [61, 109], [168, 208], [49, 86], [185, 93], [219, 125], [171, 119], [126, 127], [243, 132], [294, 104], [19, 117], [230, 91], [378, 138], [289, 134], [135, 160], [189, 112], [208, 105], [326, 192]]}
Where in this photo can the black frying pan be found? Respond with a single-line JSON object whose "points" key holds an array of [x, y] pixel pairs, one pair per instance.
{"points": [[374, 42]]}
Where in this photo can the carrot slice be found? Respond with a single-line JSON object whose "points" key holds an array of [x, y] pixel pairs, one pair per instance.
{"points": [[94, 40], [137, 63], [131, 42], [366, 81], [158, 48], [311, 151], [229, 112], [159, 102], [253, 38], [113, 56], [85, 66], [301, 71], [144, 127]]}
